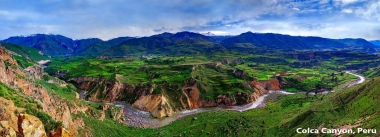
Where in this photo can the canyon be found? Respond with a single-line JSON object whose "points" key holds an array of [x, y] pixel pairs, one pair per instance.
{"points": [[146, 92], [100, 90]]}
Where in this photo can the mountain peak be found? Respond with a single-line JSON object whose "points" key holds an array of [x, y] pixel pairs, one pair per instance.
{"points": [[208, 34], [165, 34], [188, 34]]}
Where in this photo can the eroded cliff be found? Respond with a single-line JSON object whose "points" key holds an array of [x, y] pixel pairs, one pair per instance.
{"points": [[165, 103], [26, 81]]}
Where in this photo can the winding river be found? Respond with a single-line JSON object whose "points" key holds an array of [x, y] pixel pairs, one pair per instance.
{"points": [[138, 118]]}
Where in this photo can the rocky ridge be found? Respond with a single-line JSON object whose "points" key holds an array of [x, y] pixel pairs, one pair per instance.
{"points": [[25, 80]]}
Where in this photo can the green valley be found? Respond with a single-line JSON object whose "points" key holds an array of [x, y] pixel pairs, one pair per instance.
{"points": [[201, 68], [188, 84]]}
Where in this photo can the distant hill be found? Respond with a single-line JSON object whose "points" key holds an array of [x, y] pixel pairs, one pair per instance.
{"points": [[52, 45], [321, 43], [85, 43], [249, 40], [376, 43], [166, 43], [100, 47], [360, 44], [264, 40], [185, 43]]}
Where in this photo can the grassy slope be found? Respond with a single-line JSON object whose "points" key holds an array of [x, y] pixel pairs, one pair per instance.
{"points": [[100, 47], [27, 56], [281, 117], [175, 70], [286, 113]]}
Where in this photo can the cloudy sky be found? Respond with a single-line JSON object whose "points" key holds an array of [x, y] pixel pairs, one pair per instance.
{"points": [[107, 19]]}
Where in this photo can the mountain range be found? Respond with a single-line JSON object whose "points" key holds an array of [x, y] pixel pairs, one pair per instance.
{"points": [[34, 94], [184, 43], [52, 45], [376, 42]]}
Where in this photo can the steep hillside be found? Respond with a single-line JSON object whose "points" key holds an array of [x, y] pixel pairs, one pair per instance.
{"points": [[51, 45], [85, 43], [162, 90], [166, 44], [188, 82], [360, 44], [219, 38], [322, 43], [355, 42], [268, 41], [376, 43], [100, 47], [34, 103], [49, 107], [25, 56], [352, 108]]}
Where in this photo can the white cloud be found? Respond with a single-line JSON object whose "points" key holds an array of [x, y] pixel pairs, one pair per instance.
{"points": [[4, 13], [14, 15], [370, 11], [345, 2], [103, 19], [347, 11]]}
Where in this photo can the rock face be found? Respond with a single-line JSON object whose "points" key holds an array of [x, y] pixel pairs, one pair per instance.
{"points": [[192, 97], [101, 90], [22, 125], [8, 120], [272, 84], [157, 105], [56, 107], [6, 130], [262, 87], [30, 126], [193, 100], [225, 100], [36, 71], [60, 132]]}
